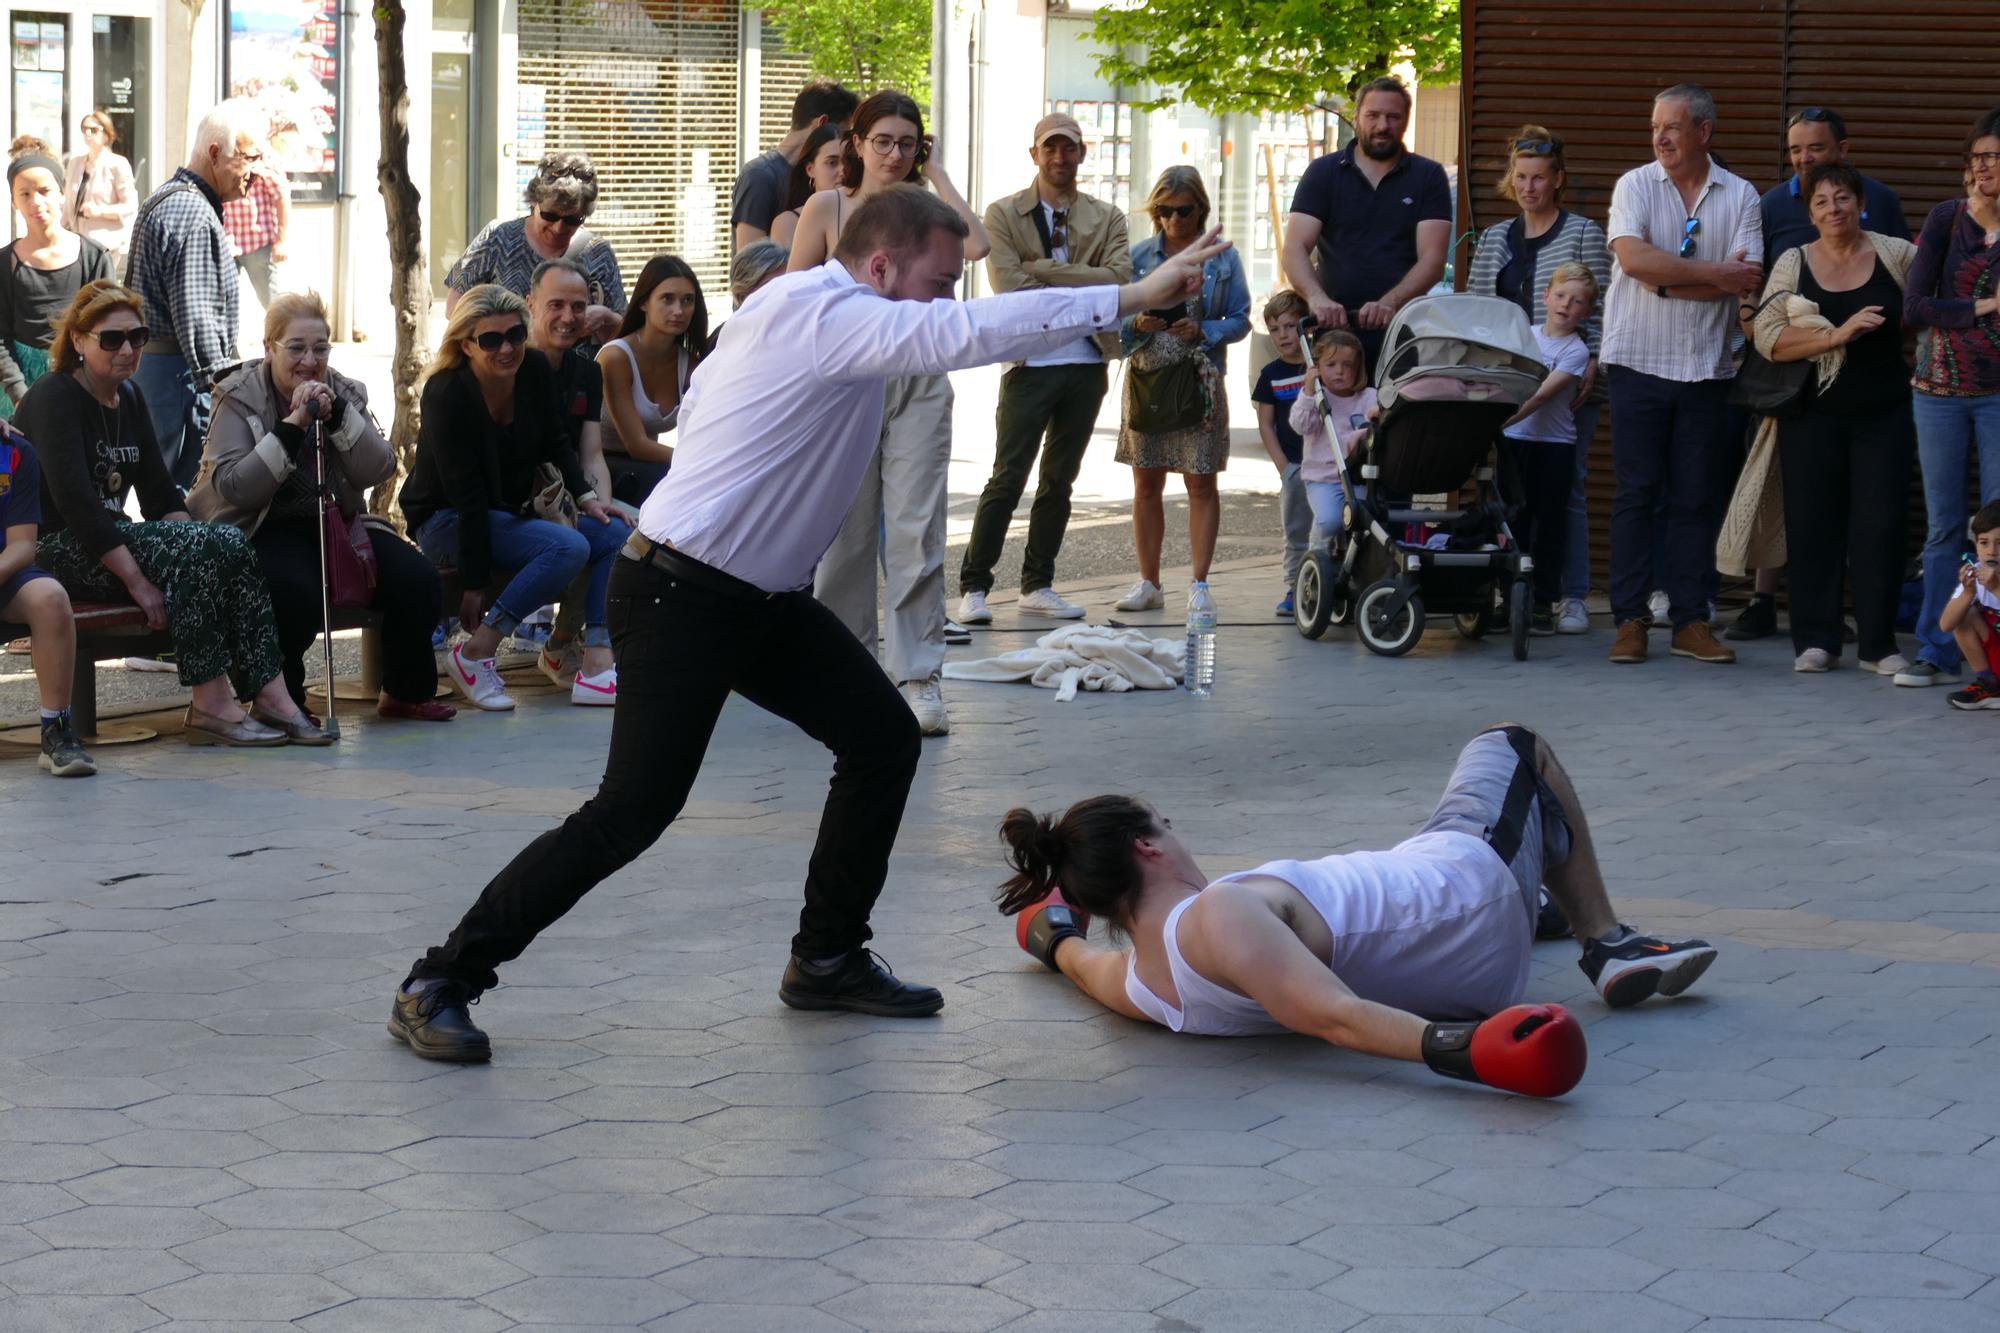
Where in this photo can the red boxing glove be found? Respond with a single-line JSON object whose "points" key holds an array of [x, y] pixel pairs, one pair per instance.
{"points": [[1040, 928], [1533, 1049]]}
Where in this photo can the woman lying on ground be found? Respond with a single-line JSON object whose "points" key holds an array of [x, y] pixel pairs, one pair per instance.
{"points": [[1363, 949]]}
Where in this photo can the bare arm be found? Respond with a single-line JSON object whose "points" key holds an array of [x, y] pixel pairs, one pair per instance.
{"points": [[810, 246], [782, 228], [1240, 942], [1267, 432], [1433, 240], [1556, 384], [745, 234], [1686, 279], [1098, 973], [19, 550], [590, 447], [1301, 235]]}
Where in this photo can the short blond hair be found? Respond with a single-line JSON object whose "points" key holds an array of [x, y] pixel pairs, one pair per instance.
{"points": [[1574, 272], [291, 307], [87, 309]]}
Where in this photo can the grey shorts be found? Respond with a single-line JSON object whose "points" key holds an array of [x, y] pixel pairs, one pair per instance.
{"points": [[1497, 794]]}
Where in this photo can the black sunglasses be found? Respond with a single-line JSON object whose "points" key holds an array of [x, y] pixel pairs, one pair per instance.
{"points": [[490, 341], [1538, 147], [1176, 210], [1816, 114], [567, 221], [113, 340]]}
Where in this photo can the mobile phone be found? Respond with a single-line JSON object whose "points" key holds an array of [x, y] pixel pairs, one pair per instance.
{"points": [[1171, 314]]}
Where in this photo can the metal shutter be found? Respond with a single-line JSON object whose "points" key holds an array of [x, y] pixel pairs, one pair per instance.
{"points": [[781, 73], [649, 91]]}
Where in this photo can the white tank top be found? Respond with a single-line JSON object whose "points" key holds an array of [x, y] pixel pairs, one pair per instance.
{"points": [[653, 419], [1425, 927]]}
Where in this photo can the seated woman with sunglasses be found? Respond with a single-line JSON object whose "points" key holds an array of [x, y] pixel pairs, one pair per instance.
{"points": [[1515, 259], [259, 472], [197, 580], [506, 250], [492, 422]]}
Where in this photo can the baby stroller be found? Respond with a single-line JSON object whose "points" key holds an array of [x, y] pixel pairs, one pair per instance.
{"points": [[1452, 369]]}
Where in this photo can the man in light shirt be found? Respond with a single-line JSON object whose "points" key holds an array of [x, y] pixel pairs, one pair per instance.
{"points": [[714, 595], [1687, 243]]}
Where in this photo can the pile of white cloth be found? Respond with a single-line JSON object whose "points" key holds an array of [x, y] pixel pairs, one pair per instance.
{"points": [[1086, 657]]}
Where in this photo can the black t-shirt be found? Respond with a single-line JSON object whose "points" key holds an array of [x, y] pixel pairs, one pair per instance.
{"points": [[1279, 384], [579, 395], [1368, 233], [759, 194], [1873, 377], [1516, 281], [92, 457]]}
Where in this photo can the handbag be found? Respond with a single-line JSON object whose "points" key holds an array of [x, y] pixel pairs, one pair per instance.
{"points": [[551, 500], [350, 560], [1775, 389], [1167, 398]]}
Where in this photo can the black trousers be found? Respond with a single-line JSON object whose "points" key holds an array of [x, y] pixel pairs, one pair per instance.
{"points": [[1847, 476], [1045, 409], [683, 644], [406, 593], [1668, 440], [633, 479], [1537, 476]]}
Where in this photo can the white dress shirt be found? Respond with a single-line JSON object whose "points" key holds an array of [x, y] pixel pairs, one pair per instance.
{"points": [[1668, 337], [778, 425], [1084, 351]]}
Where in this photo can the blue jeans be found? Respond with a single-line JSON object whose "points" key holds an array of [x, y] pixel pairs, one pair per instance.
{"points": [[1325, 498], [1576, 555], [545, 558], [169, 390], [1948, 430]]}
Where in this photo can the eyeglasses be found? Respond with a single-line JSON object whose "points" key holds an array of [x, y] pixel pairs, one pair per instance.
{"points": [[1689, 230], [1983, 159], [300, 351], [115, 340], [1164, 211], [91, 127], [490, 340], [886, 145], [1538, 147], [249, 157], [561, 221]]}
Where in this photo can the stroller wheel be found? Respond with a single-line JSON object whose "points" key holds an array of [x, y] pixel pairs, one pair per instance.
{"points": [[1517, 618], [1384, 633], [1313, 595]]}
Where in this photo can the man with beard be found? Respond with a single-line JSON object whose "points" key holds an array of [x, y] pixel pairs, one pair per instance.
{"points": [[1370, 225]]}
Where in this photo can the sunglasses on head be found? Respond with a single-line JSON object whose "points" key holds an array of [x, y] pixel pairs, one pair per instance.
{"points": [[1538, 147], [490, 340], [1176, 210], [1689, 230], [1818, 115], [567, 221], [115, 340]]}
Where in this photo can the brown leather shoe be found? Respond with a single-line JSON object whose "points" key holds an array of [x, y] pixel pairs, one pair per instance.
{"points": [[1630, 645], [1698, 641]]}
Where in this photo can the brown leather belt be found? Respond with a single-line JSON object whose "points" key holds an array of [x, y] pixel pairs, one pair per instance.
{"points": [[676, 564]]}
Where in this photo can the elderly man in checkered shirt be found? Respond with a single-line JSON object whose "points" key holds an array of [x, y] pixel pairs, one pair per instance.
{"points": [[182, 264]]}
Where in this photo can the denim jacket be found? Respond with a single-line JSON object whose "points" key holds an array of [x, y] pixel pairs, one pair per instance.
{"points": [[1225, 300]]}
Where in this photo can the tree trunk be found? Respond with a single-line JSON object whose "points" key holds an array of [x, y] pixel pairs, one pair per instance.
{"points": [[409, 284]]}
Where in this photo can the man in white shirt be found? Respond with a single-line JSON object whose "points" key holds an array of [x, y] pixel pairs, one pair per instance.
{"points": [[1048, 235], [1687, 240], [714, 595]]}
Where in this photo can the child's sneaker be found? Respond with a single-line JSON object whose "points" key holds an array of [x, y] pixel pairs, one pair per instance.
{"points": [[1982, 693], [63, 754], [1628, 967], [1286, 605]]}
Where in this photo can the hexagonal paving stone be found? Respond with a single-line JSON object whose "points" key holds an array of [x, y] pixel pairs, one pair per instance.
{"points": [[917, 1308], [217, 1296], [1262, 1312], [1080, 1242], [425, 1276], [545, 1300], [758, 1281], [120, 1227], [1420, 1291], [745, 1236], [92, 1272], [607, 1254], [287, 1251], [1260, 1267]]}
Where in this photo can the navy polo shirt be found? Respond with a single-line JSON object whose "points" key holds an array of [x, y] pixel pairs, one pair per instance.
{"points": [[1788, 223], [1368, 233]]}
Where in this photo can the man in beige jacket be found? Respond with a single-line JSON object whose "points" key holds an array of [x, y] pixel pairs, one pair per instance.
{"points": [[1048, 235]]}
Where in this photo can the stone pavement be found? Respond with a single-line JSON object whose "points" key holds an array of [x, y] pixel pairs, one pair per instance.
{"points": [[203, 1124]]}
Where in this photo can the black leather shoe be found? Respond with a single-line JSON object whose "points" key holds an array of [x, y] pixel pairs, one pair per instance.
{"points": [[434, 1023], [861, 983], [1759, 620]]}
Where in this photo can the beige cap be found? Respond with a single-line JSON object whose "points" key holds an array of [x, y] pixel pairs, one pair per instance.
{"points": [[1058, 123]]}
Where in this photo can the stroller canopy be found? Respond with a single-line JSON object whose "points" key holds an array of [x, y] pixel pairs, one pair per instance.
{"points": [[1458, 346]]}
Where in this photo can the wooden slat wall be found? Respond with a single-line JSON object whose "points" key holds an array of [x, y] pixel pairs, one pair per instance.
{"points": [[1909, 76]]}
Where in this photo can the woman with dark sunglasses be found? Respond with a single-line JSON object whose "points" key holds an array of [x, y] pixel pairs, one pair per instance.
{"points": [[1515, 259], [505, 252], [199, 581], [492, 444]]}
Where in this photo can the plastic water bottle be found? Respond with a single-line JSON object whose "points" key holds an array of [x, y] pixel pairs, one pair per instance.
{"points": [[1198, 670]]}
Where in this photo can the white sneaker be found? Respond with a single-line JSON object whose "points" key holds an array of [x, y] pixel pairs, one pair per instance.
{"points": [[478, 681], [560, 666], [1659, 609], [149, 664], [1198, 598], [926, 700], [1048, 602], [956, 633], [1888, 666], [1145, 596], [598, 691], [1814, 659], [972, 609], [1573, 617]]}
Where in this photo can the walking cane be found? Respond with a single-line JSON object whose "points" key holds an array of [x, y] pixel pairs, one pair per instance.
{"points": [[332, 725]]}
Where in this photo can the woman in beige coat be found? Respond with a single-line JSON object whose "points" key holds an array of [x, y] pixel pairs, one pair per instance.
{"points": [[1845, 458], [258, 472]]}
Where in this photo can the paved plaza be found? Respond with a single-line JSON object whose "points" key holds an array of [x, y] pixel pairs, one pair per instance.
{"points": [[203, 1124]]}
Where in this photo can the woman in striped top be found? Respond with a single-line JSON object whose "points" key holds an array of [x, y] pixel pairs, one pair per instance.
{"points": [[1515, 260]]}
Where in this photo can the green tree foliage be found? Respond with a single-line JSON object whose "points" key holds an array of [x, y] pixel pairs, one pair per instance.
{"points": [[1273, 55], [865, 44]]}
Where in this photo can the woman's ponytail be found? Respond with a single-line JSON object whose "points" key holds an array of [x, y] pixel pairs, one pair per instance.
{"points": [[1087, 852], [1033, 844]]}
